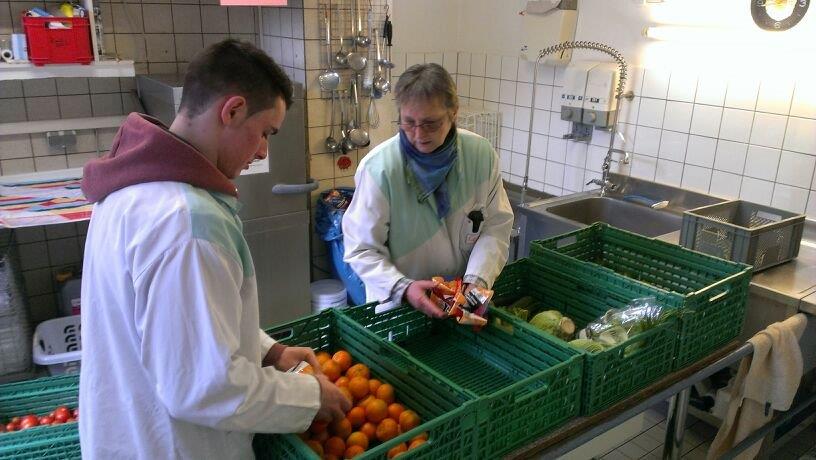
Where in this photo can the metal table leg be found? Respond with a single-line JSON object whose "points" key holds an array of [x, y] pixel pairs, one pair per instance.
{"points": [[676, 425]]}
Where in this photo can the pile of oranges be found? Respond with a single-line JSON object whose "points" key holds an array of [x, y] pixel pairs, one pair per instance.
{"points": [[376, 416]]}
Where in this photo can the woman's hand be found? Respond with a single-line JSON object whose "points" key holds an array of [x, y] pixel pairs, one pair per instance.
{"points": [[290, 357], [417, 295]]}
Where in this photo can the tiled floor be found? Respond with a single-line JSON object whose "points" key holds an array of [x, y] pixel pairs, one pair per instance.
{"points": [[649, 443]]}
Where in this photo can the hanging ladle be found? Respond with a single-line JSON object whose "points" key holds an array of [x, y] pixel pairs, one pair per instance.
{"points": [[329, 79], [345, 143], [332, 145], [380, 84], [360, 39], [358, 135]]}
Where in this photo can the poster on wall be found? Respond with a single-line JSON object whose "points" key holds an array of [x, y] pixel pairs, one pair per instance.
{"points": [[253, 2]]}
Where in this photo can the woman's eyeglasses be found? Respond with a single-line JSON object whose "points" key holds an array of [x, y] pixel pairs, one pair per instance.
{"points": [[428, 126]]}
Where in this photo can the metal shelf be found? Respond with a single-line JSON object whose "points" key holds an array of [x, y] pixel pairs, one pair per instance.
{"points": [[28, 71]]}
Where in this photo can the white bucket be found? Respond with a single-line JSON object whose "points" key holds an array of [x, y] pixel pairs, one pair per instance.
{"points": [[328, 294]]}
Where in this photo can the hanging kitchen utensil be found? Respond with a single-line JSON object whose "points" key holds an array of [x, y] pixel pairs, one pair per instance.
{"points": [[388, 35], [358, 135], [331, 143], [329, 79], [345, 142], [380, 84], [371, 65], [373, 115], [360, 39]]}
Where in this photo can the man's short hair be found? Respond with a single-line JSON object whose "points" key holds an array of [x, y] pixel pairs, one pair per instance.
{"points": [[232, 67]]}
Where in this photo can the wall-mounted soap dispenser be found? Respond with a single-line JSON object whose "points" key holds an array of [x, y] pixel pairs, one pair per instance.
{"points": [[588, 98]]}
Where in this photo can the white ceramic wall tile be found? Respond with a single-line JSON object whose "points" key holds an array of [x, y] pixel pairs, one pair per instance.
{"points": [[801, 135], [543, 96], [15, 146], [555, 174], [462, 63], [538, 169], [756, 190], [811, 207], [463, 85], [669, 172], [789, 198], [477, 64], [507, 92], [629, 110], [477, 87], [701, 151], [436, 58], [762, 162], [678, 116], [557, 149], [509, 67], [558, 79], [775, 96], [705, 120], [651, 112], [413, 59], [524, 94], [804, 100], [518, 165], [538, 146], [656, 83], [553, 190], [647, 141], [506, 138], [796, 169], [491, 89], [558, 127], [574, 179], [682, 86], [595, 157], [711, 90], [768, 129], [736, 125], [576, 154], [673, 146], [634, 82], [725, 184], [742, 93], [522, 118], [493, 66], [546, 74], [321, 166], [507, 114], [520, 141], [525, 71], [541, 122], [644, 167], [696, 178], [730, 156], [505, 158]]}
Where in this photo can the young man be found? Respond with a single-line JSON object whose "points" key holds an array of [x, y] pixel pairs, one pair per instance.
{"points": [[174, 363]]}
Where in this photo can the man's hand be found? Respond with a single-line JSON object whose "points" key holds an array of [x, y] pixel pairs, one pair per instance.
{"points": [[417, 296], [333, 403], [292, 356]]}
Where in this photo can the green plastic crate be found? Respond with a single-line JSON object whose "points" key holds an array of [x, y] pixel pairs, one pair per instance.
{"points": [[611, 375], [447, 417], [711, 292], [524, 385], [39, 397]]}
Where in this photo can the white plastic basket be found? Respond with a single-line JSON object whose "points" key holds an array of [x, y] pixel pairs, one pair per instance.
{"points": [[58, 345], [480, 121]]}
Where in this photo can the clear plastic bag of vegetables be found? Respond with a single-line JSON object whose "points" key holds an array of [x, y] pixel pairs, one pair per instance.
{"points": [[619, 325]]}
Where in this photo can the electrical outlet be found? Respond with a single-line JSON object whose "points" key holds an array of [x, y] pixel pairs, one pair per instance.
{"points": [[61, 140]]}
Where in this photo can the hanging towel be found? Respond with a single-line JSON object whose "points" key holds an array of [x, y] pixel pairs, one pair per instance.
{"points": [[766, 381]]}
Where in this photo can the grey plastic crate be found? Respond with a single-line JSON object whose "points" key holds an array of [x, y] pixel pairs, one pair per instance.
{"points": [[745, 232]]}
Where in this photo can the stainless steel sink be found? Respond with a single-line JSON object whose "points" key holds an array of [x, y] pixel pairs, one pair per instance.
{"points": [[622, 214]]}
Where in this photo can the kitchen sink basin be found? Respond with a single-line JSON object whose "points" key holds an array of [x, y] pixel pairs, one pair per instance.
{"points": [[622, 214]]}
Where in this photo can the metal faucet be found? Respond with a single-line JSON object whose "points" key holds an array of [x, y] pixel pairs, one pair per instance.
{"points": [[604, 182]]}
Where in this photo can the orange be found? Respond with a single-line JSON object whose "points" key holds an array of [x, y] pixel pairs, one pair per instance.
{"points": [[373, 384], [360, 370], [357, 438], [347, 393], [343, 358], [376, 410], [394, 410], [416, 443], [370, 430], [335, 446], [341, 428], [386, 393], [358, 387], [342, 381], [357, 416], [422, 436], [387, 429], [353, 451], [315, 446], [307, 370], [398, 449], [362, 403], [408, 420], [317, 427], [321, 437], [322, 357], [332, 370]]}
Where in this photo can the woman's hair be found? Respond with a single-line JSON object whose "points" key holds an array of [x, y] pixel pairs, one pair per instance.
{"points": [[426, 82], [234, 67]]}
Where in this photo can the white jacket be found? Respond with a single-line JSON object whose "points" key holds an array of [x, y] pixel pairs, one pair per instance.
{"points": [[391, 235], [172, 348]]}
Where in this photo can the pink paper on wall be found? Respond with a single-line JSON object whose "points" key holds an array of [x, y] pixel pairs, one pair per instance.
{"points": [[253, 2]]}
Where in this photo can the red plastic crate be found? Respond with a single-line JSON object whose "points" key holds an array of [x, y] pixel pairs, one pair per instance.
{"points": [[58, 46]]}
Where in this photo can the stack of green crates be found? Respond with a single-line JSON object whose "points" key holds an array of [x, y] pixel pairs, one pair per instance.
{"points": [[710, 292], [610, 375], [447, 417], [39, 397], [523, 385]]}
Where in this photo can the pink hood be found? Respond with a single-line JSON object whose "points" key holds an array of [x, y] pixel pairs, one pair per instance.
{"points": [[144, 150]]}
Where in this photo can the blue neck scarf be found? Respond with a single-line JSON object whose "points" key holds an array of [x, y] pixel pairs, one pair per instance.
{"points": [[431, 169]]}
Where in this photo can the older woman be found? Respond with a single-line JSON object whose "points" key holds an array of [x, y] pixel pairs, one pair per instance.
{"points": [[429, 201]]}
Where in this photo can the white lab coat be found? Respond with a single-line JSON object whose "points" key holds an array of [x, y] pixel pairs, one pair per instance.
{"points": [[172, 348], [390, 235]]}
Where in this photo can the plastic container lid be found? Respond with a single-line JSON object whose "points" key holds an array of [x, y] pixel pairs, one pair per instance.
{"points": [[328, 293]]}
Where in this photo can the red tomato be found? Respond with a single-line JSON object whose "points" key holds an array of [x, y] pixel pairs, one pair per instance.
{"points": [[70, 420], [76, 412], [46, 420], [57, 422], [30, 419], [62, 413], [26, 424], [15, 420], [11, 426]]}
